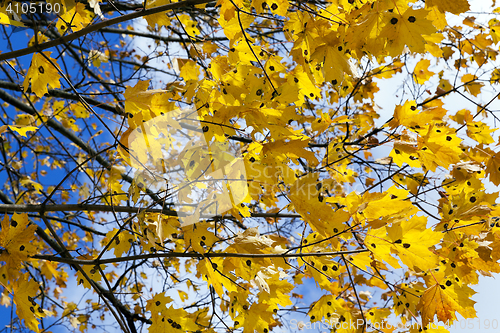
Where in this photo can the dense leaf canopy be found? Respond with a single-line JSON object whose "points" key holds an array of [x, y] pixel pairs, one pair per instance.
{"points": [[232, 165]]}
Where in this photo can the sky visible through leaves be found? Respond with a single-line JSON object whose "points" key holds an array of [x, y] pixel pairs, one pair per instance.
{"points": [[355, 143]]}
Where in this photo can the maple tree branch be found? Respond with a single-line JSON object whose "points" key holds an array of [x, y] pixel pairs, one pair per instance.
{"points": [[119, 209], [355, 293], [94, 27], [62, 94], [191, 255], [162, 38], [79, 225]]}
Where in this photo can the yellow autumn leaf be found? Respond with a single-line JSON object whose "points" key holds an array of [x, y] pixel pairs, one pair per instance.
{"points": [[210, 270], [92, 272], [493, 169], [454, 7], [409, 240], [78, 15], [410, 116], [121, 243], [406, 29], [189, 25], [405, 152], [189, 70], [25, 291], [29, 183], [159, 19], [412, 241], [158, 303], [16, 237], [183, 295], [480, 132], [421, 71], [198, 238], [495, 76], [471, 84], [42, 73], [21, 130], [444, 299]]}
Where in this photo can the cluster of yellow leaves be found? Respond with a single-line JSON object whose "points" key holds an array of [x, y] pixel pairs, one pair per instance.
{"points": [[16, 239], [269, 98], [16, 245], [172, 320]]}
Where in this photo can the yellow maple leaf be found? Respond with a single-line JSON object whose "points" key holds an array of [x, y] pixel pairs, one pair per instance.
{"points": [[480, 132], [421, 71], [121, 243], [158, 303], [210, 272], [250, 241], [388, 204], [189, 70], [406, 297], [444, 299], [42, 73], [21, 130], [136, 98], [172, 320], [463, 116], [189, 25], [198, 237], [493, 169], [259, 317], [410, 116], [25, 291], [326, 307], [406, 29], [29, 183], [165, 226], [278, 7], [308, 201], [16, 237], [438, 146], [92, 272], [411, 241], [335, 59], [495, 76], [494, 25], [405, 152], [377, 243], [471, 86], [77, 17], [444, 86], [454, 7], [79, 110], [159, 18]]}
